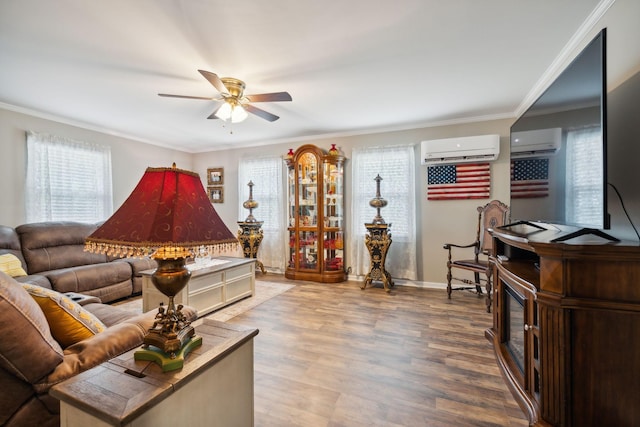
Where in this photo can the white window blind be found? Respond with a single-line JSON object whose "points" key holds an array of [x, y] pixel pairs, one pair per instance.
{"points": [[584, 176], [266, 173], [396, 167], [67, 180]]}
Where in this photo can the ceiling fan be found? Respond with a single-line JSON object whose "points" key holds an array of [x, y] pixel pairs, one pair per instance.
{"points": [[236, 104]]}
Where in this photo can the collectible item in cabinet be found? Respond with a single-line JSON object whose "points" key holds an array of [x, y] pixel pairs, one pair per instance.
{"points": [[316, 215]]}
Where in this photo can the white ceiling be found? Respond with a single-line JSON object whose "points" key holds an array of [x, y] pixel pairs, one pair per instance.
{"points": [[351, 66]]}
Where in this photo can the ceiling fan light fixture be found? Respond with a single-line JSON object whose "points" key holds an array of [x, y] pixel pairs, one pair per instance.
{"points": [[232, 111], [224, 112], [238, 114], [236, 106]]}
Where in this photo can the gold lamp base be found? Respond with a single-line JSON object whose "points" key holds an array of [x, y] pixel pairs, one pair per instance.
{"points": [[171, 337]]}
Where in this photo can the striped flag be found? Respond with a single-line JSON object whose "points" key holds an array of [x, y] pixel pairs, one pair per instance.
{"points": [[463, 181], [529, 178]]}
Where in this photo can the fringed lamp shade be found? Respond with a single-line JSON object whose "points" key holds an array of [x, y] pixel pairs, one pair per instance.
{"points": [[168, 211], [169, 217]]}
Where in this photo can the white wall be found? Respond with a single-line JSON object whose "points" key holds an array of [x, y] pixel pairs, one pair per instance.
{"points": [[129, 159]]}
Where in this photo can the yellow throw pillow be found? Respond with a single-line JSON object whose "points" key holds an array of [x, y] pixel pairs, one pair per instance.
{"points": [[68, 321], [11, 265]]}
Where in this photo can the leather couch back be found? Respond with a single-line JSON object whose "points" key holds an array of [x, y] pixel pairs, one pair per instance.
{"points": [[55, 245], [10, 243]]}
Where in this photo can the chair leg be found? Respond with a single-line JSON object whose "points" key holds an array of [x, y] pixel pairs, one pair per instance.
{"points": [[489, 290], [449, 277], [476, 277]]}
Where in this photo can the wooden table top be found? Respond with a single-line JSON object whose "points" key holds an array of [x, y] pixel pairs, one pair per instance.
{"points": [[120, 390]]}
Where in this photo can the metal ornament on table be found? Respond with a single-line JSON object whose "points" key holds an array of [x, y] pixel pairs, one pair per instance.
{"points": [[250, 203], [250, 234], [378, 241]]}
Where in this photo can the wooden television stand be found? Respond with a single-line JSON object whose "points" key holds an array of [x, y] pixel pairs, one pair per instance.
{"points": [[565, 329]]}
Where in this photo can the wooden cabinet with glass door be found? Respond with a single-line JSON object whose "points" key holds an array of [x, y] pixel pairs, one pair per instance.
{"points": [[316, 215]]}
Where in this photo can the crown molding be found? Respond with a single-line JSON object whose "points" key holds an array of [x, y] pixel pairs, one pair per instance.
{"points": [[565, 56]]}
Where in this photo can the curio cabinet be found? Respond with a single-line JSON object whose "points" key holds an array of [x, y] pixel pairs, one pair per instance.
{"points": [[316, 215]]}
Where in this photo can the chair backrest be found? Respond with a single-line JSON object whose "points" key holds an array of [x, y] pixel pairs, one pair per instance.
{"points": [[493, 214]]}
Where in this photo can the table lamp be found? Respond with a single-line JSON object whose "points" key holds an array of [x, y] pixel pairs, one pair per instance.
{"points": [[169, 217]]}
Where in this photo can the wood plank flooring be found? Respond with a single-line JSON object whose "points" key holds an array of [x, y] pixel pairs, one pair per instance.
{"points": [[336, 355]]}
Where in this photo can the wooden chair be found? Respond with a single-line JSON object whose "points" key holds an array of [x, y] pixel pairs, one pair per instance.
{"points": [[493, 214]]}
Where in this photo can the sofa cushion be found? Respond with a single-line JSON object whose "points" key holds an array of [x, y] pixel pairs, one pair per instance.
{"points": [[109, 294], [27, 348], [68, 321], [35, 279], [111, 314], [84, 278], [55, 245], [10, 264]]}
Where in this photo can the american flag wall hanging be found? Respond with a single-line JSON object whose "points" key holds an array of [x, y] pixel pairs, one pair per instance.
{"points": [[463, 181], [529, 178]]}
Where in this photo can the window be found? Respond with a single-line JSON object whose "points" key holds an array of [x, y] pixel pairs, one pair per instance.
{"points": [[584, 176], [396, 167], [67, 180], [266, 175]]}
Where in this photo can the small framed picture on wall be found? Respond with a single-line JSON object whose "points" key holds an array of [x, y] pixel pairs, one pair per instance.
{"points": [[216, 194], [215, 176]]}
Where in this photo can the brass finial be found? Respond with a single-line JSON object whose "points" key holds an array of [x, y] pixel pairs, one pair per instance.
{"points": [[378, 202]]}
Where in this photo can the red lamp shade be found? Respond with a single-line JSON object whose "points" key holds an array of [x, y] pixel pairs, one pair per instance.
{"points": [[168, 210]]}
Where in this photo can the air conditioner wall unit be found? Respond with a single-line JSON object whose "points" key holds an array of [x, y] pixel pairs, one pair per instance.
{"points": [[482, 148], [535, 143]]}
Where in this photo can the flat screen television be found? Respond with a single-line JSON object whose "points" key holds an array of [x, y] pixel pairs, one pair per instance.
{"points": [[559, 149]]}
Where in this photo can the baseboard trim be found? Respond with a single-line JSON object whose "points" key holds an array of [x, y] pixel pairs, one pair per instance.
{"points": [[355, 278], [405, 282]]}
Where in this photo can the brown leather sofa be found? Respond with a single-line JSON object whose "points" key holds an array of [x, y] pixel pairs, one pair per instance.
{"points": [[32, 361], [53, 255]]}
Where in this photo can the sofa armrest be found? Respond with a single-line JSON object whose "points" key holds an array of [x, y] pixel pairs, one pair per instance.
{"points": [[106, 345], [98, 349], [82, 299]]}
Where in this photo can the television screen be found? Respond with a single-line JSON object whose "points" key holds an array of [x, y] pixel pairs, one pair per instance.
{"points": [[558, 148]]}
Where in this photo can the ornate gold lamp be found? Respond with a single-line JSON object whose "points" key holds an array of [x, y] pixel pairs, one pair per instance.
{"points": [[169, 217]]}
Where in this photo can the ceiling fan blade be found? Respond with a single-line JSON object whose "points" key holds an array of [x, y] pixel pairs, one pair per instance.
{"points": [[260, 113], [270, 97], [186, 96], [214, 80]]}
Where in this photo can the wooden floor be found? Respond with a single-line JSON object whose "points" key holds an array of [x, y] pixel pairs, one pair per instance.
{"points": [[335, 355]]}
